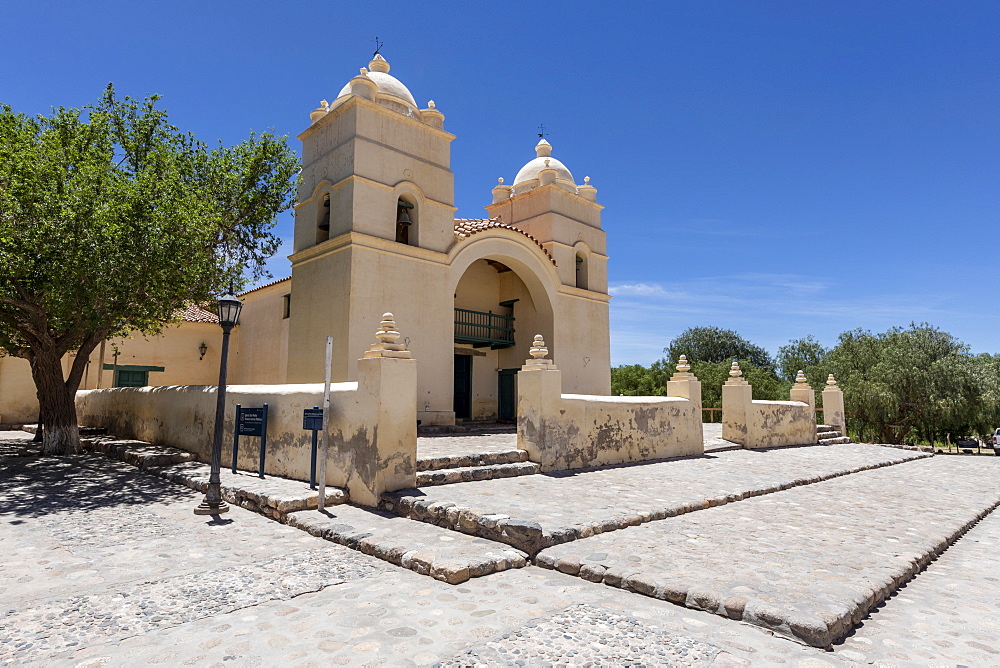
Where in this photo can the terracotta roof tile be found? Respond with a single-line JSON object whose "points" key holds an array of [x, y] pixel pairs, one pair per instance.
{"points": [[192, 313], [466, 227]]}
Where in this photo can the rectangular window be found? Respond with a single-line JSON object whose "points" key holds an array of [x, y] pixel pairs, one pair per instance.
{"points": [[286, 306]]}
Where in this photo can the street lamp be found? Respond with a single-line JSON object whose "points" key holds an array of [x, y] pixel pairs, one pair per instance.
{"points": [[229, 316]]}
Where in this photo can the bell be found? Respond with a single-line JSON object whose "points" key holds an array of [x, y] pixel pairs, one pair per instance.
{"points": [[403, 218]]}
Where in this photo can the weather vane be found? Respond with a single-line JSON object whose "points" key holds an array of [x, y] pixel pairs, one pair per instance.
{"points": [[541, 132], [378, 46]]}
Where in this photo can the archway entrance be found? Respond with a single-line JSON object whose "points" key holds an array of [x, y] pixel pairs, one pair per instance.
{"points": [[496, 316]]}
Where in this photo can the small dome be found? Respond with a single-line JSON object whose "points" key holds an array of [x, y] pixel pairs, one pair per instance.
{"points": [[378, 71], [543, 151]]}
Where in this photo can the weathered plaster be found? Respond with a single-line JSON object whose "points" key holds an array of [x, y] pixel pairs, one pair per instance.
{"points": [[573, 431], [372, 434]]}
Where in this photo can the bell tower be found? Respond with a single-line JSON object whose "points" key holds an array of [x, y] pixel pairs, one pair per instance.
{"points": [[376, 194], [546, 202]]}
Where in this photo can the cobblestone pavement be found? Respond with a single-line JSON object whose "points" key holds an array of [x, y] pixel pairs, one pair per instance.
{"points": [[712, 434], [807, 562], [88, 540], [949, 614], [464, 444], [106, 565], [576, 504]]}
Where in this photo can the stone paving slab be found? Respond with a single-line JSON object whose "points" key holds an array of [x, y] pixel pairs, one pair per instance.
{"points": [[534, 512], [949, 614], [422, 548], [807, 563]]}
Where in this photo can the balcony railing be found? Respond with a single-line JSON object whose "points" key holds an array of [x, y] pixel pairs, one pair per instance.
{"points": [[484, 329]]}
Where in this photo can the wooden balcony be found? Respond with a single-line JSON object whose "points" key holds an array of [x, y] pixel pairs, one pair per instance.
{"points": [[484, 329]]}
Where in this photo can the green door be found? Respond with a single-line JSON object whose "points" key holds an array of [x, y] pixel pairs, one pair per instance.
{"points": [[463, 387], [507, 394], [131, 378]]}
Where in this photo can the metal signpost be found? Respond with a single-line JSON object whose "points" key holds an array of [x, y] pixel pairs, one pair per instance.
{"points": [[251, 422], [325, 436], [312, 419]]}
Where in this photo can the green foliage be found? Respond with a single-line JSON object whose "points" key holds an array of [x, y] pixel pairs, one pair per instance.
{"points": [[917, 382], [806, 354], [111, 219], [635, 380], [711, 344], [713, 375]]}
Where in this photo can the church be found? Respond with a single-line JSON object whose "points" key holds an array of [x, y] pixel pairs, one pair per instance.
{"points": [[375, 231]]}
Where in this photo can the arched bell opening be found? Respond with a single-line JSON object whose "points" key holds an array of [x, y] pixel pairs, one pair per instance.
{"points": [[323, 220], [406, 221]]}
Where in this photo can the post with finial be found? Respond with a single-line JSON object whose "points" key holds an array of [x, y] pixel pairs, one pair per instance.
{"points": [[539, 390], [802, 391], [833, 406], [737, 395], [685, 384], [382, 443]]}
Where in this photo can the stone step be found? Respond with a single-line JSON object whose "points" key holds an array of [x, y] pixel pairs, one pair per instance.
{"points": [[828, 434], [839, 440], [464, 459], [424, 548], [470, 473], [137, 453]]}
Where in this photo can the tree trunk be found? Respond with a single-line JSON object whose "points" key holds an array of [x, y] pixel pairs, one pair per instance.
{"points": [[57, 404]]}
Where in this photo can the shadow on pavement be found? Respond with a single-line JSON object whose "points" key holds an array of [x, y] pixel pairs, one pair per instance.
{"points": [[35, 486]]}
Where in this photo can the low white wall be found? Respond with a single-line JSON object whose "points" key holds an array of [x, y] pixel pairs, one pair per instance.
{"points": [[766, 424], [372, 435], [772, 424], [572, 431]]}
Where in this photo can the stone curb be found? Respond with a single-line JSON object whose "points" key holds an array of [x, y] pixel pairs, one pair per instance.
{"points": [[454, 568], [817, 631], [471, 473], [471, 459], [531, 538]]}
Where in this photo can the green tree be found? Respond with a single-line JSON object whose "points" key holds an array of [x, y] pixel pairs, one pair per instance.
{"points": [[713, 375], [111, 219], [805, 354], [918, 380], [711, 344]]}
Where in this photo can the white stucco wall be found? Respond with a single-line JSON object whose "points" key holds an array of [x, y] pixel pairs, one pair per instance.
{"points": [[572, 431], [372, 433]]}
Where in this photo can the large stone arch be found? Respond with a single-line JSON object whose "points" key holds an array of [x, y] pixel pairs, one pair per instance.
{"points": [[532, 281]]}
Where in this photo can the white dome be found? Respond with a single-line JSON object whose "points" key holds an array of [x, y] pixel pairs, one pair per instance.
{"points": [[544, 161], [387, 84]]}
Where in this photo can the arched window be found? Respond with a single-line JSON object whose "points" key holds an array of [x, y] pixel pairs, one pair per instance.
{"points": [[406, 222], [323, 220], [581, 270]]}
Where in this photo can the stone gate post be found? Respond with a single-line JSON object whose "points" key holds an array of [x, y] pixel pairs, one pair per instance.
{"points": [[384, 459], [737, 394], [833, 406]]}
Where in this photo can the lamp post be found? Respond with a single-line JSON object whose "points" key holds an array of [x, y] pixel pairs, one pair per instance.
{"points": [[229, 317]]}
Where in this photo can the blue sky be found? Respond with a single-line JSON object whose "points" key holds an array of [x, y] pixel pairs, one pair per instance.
{"points": [[777, 168]]}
